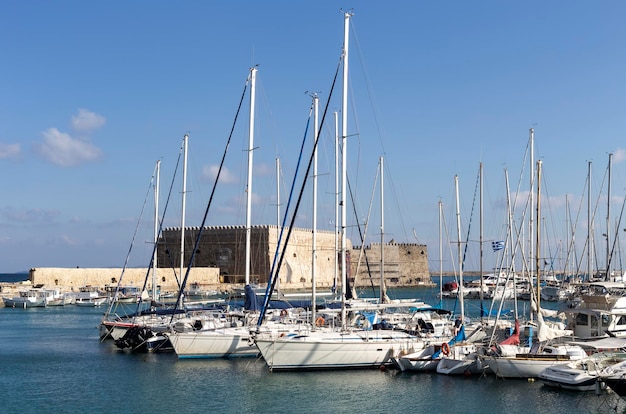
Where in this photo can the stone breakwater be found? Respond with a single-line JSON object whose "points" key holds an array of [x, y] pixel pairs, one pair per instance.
{"points": [[72, 279], [69, 279]]}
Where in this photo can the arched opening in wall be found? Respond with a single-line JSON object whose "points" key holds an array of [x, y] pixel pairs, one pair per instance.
{"points": [[56, 282], [422, 252], [408, 252], [113, 280], [295, 255], [163, 279]]}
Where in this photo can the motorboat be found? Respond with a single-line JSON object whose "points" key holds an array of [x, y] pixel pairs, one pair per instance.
{"points": [[582, 374]]}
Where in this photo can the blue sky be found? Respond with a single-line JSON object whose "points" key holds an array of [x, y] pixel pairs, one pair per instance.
{"points": [[93, 94]]}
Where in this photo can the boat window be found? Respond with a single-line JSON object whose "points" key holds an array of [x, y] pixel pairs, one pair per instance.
{"points": [[581, 319], [594, 321], [622, 320], [606, 320]]}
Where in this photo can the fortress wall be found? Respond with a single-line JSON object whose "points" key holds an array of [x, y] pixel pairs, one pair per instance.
{"points": [[72, 278]]}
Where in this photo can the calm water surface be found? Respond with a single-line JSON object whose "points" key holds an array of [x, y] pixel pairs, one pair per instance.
{"points": [[51, 361]]}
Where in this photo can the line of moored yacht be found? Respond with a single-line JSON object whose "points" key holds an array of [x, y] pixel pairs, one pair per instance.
{"points": [[581, 347]]}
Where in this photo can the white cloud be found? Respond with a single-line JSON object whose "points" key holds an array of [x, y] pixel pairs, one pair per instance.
{"points": [[87, 121], [226, 176], [264, 169], [9, 150], [619, 155], [61, 149], [36, 215], [67, 240]]}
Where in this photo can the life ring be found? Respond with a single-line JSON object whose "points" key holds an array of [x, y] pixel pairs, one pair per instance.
{"points": [[319, 321], [445, 348]]}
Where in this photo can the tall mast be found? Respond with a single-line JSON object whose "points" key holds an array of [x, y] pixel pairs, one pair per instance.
{"points": [[337, 228], [383, 288], [157, 174], [608, 222], [249, 183], [278, 209], [589, 225], [510, 232], [531, 196], [460, 250], [314, 231], [344, 148], [183, 207], [537, 246], [440, 253], [481, 233]]}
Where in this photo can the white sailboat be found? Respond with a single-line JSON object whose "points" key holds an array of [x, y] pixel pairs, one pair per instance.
{"points": [[515, 361], [226, 342], [345, 347], [460, 356]]}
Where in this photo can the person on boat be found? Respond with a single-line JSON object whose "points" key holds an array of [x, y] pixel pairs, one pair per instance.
{"points": [[457, 325]]}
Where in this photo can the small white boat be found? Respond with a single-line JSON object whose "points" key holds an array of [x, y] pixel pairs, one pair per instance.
{"points": [[31, 298], [461, 359], [54, 297], [584, 374], [90, 302], [580, 375], [531, 364], [425, 360]]}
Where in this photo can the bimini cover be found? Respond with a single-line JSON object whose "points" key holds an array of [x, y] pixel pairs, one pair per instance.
{"points": [[252, 301]]}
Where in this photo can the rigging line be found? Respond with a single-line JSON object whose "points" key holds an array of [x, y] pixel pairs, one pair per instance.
{"points": [[617, 226], [274, 272], [469, 224], [571, 227], [160, 232], [145, 201], [362, 249], [593, 220], [297, 206], [368, 85], [169, 194], [361, 237], [206, 211]]}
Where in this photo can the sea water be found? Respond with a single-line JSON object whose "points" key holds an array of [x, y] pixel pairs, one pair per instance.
{"points": [[52, 361]]}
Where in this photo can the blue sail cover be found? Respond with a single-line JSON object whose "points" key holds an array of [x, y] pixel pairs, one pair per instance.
{"points": [[459, 337], [252, 301]]}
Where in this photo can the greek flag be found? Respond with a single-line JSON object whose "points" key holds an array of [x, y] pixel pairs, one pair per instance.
{"points": [[497, 245]]}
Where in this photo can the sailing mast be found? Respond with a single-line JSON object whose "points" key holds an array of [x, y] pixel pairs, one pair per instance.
{"points": [[383, 288], [460, 250], [278, 209], [531, 201], [589, 225], [253, 71], [156, 230], [440, 253], [344, 147], [337, 228], [537, 245], [481, 240], [510, 236], [183, 209], [314, 231], [608, 222]]}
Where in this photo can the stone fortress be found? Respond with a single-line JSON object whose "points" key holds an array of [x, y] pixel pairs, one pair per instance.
{"points": [[219, 262]]}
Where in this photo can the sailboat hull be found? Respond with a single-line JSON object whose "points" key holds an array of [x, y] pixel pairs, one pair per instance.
{"points": [[219, 343], [334, 350], [518, 367]]}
